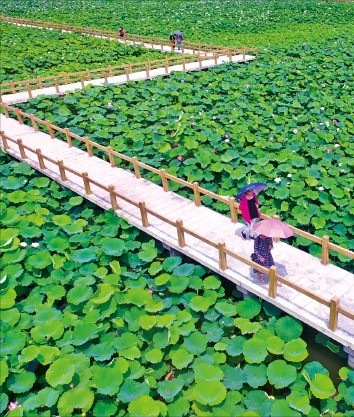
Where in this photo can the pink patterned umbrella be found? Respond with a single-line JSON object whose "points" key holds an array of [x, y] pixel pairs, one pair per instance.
{"points": [[273, 228]]}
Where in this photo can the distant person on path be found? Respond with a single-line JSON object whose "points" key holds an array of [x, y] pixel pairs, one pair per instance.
{"points": [[179, 38], [262, 256], [172, 41], [249, 207], [121, 32]]}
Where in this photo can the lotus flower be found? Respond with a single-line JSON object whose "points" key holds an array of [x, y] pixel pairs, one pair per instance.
{"points": [[180, 158], [13, 405]]}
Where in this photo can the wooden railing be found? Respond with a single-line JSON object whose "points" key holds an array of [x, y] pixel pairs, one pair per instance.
{"points": [[132, 39], [85, 77], [181, 231], [164, 176]]}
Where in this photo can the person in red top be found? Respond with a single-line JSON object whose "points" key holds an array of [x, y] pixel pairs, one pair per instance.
{"points": [[121, 32], [249, 208]]}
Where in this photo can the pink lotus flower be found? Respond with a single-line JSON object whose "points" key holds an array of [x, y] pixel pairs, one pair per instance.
{"points": [[180, 158], [109, 106], [329, 150], [335, 121], [13, 405], [175, 144], [215, 150], [151, 291]]}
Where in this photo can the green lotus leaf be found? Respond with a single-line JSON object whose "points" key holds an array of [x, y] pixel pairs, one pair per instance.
{"points": [[13, 256], [209, 392], [179, 407], [226, 309], [8, 238], [144, 406], [235, 345], [58, 244], [12, 341], [258, 402], [29, 353], [213, 331], [47, 354], [211, 283], [234, 378], [11, 316], [207, 372], [254, 350], [161, 338], [288, 328], [4, 371], [107, 380], [103, 294], [7, 298], [322, 386], [132, 389], [40, 260], [165, 320], [246, 326], [178, 284], [196, 343], [154, 355], [249, 308], [75, 227], [76, 201], [137, 296], [281, 408], [84, 255], [184, 270], [275, 345], [170, 263], [256, 375], [199, 303], [21, 382], [79, 397], [83, 332], [78, 294], [12, 183], [295, 350], [347, 390], [169, 389], [18, 196], [181, 358], [113, 246], [299, 401], [280, 374], [52, 329], [313, 368], [115, 265], [147, 322], [162, 279], [45, 397], [126, 341], [148, 252], [61, 220], [102, 408], [60, 372]]}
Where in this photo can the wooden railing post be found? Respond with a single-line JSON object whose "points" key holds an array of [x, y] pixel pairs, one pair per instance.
{"points": [[21, 149], [110, 156], [136, 167], [82, 81], [50, 129], [229, 55], [147, 69], [222, 256], [40, 159], [127, 73], [233, 209], [18, 115], [56, 85], [164, 180], [29, 91], [68, 137], [113, 197], [143, 213], [180, 233], [34, 123], [88, 146], [3, 105], [166, 66], [62, 170], [183, 62], [215, 57], [272, 291], [86, 183], [4, 140], [333, 313], [325, 250], [244, 54], [200, 61], [196, 194]]}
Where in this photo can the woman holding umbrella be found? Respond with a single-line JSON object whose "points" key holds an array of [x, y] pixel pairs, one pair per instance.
{"points": [[262, 256]]}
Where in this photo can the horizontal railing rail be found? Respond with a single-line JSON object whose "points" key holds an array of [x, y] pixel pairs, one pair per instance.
{"points": [[181, 231], [326, 245]]}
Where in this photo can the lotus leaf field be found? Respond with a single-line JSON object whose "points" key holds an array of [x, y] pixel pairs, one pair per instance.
{"points": [[96, 318], [97, 321], [30, 52]]}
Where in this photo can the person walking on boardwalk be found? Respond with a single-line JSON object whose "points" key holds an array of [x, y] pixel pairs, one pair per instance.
{"points": [[249, 208], [172, 41], [179, 38], [262, 256], [121, 32]]}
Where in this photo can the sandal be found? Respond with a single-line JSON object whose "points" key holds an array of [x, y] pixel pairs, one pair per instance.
{"points": [[261, 280]]}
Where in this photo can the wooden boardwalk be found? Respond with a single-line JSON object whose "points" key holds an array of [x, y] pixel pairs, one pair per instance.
{"points": [[297, 267]]}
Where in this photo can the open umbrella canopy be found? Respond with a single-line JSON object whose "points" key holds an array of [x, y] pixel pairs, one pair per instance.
{"points": [[256, 186], [273, 228], [177, 32]]}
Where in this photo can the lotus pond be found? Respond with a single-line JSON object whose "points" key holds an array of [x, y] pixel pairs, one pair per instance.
{"points": [[29, 52], [224, 22], [97, 320], [285, 119]]}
